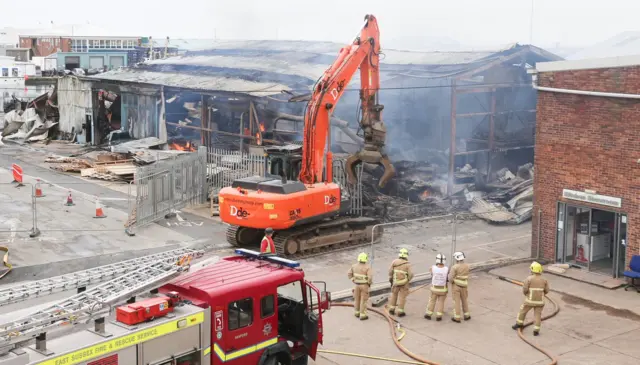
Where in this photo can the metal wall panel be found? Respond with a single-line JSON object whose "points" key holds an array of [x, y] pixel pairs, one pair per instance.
{"points": [[177, 343]]}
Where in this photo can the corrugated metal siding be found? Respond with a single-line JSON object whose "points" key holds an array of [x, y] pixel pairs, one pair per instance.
{"points": [[74, 101], [140, 114]]}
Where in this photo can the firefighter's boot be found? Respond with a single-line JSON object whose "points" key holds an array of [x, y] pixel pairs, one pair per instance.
{"points": [[392, 310], [401, 312], [364, 317], [456, 320], [516, 326], [536, 333], [466, 318], [427, 316], [357, 314]]}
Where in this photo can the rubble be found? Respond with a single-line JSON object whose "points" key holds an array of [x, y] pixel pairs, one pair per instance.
{"points": [[419, 189]]}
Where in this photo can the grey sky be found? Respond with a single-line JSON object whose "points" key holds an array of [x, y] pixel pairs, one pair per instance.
{"points": [[403, 23]]}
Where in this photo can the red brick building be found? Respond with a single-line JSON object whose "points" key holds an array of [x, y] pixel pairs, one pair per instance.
{"points": [[587, 163]]}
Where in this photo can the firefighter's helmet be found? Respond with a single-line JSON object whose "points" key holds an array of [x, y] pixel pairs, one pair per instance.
{"points": [[404, 253], [536, 268], [362, 257], [459, 256], [268, 230], [440, 259]]}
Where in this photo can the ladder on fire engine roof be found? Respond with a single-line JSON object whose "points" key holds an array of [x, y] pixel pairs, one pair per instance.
{"points": [[80, 279], [93, 303]]}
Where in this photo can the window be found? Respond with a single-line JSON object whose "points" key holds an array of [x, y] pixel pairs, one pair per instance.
{"points": [[96, 43], [130, 43], [267, 306], [292, 291], [240, 314], [14, 72], [102, 45], [5, 72], [119, 44]]}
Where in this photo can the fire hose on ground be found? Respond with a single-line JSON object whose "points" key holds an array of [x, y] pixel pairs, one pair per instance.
{"points": [[421, 361]]}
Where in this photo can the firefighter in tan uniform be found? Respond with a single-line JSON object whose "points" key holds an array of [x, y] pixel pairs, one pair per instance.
{"points": [[362, 276], [535, 288], [459, 279], [438, 288], [400, 275]]}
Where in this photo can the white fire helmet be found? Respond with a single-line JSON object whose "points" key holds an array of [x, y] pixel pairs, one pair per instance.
{"points": [[441, 259], [459, 256]]}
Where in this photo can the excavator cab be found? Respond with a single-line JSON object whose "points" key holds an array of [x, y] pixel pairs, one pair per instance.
{"points": [[284, 161]]}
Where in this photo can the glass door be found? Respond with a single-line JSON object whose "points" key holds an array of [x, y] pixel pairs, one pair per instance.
{"points": [[560, 234], [620, 245]]}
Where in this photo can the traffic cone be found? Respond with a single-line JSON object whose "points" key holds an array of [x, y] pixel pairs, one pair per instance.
{"points": [[39, 193], [69, 200], [99, 210]]}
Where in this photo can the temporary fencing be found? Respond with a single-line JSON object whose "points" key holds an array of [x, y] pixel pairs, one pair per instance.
{"points": [[159, 190], [225, 166]]}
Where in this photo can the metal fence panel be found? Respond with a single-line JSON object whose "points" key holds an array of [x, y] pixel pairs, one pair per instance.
{"points": [[167, 186], [349, 191], [225, 166]]}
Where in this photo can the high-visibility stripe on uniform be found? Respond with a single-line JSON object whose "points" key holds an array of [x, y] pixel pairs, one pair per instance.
{"points": [[245, 351], [395, 277], [461, 280], [439, 289], [530, 300], [360, 279]]}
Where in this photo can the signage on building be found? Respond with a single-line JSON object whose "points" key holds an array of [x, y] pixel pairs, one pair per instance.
{"points": [[609, 201]]}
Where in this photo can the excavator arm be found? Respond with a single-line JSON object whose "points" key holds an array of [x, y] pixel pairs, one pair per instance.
{"points": [[363, 53]]}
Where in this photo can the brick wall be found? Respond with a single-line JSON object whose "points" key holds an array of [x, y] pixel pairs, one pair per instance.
{"points": [[46, 46], [587, 142]]}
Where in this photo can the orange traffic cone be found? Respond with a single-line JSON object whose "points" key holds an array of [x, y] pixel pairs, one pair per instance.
{"points": [[69, 200], [99, 210], [39, 193]]}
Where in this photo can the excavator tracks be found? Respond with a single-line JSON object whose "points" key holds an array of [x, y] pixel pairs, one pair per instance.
{"points": [[311, 239]]}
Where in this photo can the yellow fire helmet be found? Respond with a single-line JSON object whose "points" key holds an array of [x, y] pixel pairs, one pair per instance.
{"points": [[404, 253], [362, 257], [536, 268]]}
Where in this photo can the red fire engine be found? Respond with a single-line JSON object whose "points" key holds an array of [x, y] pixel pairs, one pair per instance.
{"points": [[247, 309]]}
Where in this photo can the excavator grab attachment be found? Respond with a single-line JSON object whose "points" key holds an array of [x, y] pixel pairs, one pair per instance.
{"points": [[372, 157]]}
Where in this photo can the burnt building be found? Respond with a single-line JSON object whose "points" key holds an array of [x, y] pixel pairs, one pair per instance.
{"points": [[586, 191], [452, 108]]}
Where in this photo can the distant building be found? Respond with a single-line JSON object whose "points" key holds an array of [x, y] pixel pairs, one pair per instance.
{"points": [[93, 60], [43, 45]]}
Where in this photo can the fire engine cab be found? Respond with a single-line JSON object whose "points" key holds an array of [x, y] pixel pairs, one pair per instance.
{"points": [[244, 309]]}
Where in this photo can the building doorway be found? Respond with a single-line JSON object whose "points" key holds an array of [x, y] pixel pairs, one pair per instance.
{"points": [[591, 239]]}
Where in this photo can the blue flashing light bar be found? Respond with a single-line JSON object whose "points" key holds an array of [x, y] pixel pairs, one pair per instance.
{"points": [[273, 259]]}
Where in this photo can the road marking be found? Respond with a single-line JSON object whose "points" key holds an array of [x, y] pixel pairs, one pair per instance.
{"points": [[184, 224]]}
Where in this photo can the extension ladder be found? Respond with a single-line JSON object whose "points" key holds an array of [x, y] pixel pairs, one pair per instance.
{"points": [[79, 279], [92, 303]]}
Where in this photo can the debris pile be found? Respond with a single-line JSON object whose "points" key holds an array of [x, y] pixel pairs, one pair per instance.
{"points": [[510, 200], [420, 189], [108, 166]]}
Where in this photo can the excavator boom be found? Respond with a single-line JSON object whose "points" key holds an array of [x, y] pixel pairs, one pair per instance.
{"points": [[363, 53]]}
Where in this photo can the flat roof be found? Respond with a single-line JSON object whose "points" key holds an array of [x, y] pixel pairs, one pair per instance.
{"points": [[591, 63]]}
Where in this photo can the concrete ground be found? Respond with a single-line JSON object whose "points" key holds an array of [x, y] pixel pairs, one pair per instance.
{"points": [[424, 240], [584, 332], [68, 232]]}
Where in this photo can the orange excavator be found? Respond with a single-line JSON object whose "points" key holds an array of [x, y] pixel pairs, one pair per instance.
{"points": [[298, 198]]}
